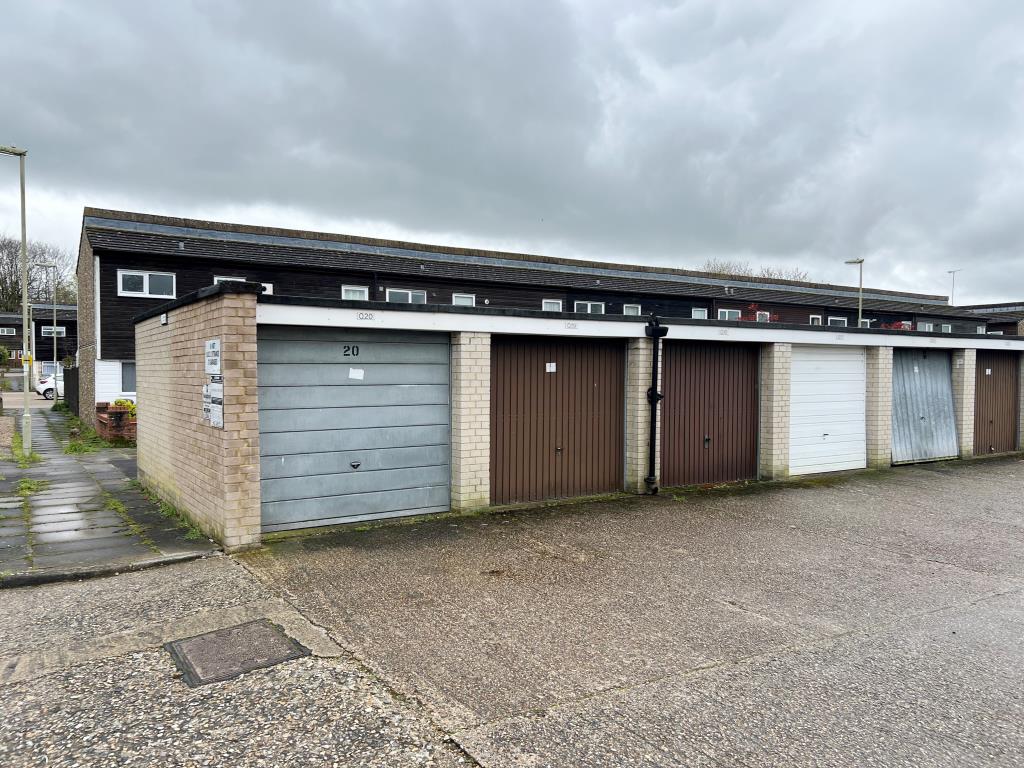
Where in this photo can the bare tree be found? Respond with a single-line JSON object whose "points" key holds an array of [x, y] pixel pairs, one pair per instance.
{"points": [[735, 268], [40, 279]]}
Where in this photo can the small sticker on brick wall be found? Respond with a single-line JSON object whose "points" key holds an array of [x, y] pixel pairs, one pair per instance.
{"points": [[355, 373]]}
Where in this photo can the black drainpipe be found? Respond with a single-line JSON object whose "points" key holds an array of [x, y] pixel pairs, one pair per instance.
{"points": [[655, 331]]}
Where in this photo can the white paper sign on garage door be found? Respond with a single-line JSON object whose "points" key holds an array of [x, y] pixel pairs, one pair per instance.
{"points": [[354, 425], [828, 429]]}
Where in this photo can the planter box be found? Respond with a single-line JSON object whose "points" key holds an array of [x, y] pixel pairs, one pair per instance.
{"points": [[114, 423]]}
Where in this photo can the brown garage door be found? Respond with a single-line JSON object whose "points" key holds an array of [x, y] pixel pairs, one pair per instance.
{"points": [[710, 412], [997, 399], [556, 417]]}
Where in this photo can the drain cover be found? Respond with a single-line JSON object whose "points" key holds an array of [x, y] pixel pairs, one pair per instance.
{"points": [[228, 653]]}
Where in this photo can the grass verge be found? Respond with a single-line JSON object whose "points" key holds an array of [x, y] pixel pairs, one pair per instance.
{"points": [[22, 459], [192, 531], [88, 439]]}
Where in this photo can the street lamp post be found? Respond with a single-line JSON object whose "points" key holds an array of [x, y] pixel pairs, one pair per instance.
{"points": [[952, 293], [26, 416], [860, 291]]}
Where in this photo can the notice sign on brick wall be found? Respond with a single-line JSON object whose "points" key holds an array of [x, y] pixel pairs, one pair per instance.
{"points": [[213, 356], [213, 392]]}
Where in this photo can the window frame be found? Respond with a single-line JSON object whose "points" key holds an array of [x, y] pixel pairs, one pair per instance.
{"points": [[8, 331], [739, 314], [819, 318], [576, 307], [865, 322], [410, 291], [980, 329], [695, 310], [767, 316], [551, 301], [926, 327], [470, 296], [364, 288], [638, 313], [121, 374], [63, 331], [945, 327], [844, 324], [145, 293]]}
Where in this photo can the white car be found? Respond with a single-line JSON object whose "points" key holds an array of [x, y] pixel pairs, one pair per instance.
{"points": [[45, 386]]}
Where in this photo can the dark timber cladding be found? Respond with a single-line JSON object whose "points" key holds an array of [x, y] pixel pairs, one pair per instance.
{"points": [[556, 417], [709, 418], [997, 398]]}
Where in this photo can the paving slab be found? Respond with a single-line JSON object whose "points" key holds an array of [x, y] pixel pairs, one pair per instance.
{"points": [[74, 532], [85, 682]]}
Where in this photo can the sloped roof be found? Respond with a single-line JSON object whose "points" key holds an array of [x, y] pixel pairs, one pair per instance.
{"points": [[125, 232]]}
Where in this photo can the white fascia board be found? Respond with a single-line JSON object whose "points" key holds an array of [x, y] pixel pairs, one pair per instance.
{"points": [[763, 335], [340, 317]]}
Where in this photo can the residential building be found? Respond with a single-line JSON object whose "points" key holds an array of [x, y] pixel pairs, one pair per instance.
{"points": [[130, 262]]}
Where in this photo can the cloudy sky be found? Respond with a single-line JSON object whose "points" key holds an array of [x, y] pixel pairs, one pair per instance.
{"points": [[787, 132]]}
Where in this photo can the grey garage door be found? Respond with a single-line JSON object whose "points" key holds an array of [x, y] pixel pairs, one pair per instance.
{"points": [[353, 425], [923, 426]]}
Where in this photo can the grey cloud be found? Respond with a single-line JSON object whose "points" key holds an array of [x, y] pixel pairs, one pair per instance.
{"points": [[658, 132]]}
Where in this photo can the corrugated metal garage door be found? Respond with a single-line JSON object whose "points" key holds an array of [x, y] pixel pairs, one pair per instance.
{"points": [[710, 412], [828, 430], [556, 417], [997, 402], [923, 425], [354, 425]]}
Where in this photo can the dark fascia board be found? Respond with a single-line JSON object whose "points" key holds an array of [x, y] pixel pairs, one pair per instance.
{"points": [[511, 312], [526, 258], [209, 291]]}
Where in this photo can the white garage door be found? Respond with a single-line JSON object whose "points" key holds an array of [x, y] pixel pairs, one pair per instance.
{"points": [[353, 425], [827, 410]]}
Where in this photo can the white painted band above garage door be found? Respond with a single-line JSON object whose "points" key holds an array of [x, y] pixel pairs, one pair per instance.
{"points": [[828, 429], [453, 319], [354, 425]]}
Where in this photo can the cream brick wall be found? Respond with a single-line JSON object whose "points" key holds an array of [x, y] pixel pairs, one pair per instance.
{"points": [[212, 475], [776, 376], [964, 387], [879, 406], [471, 420], [86, 333], [639, 354]]}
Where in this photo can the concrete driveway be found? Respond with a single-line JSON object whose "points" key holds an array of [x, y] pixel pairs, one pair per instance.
{"points": [[872, 620]]}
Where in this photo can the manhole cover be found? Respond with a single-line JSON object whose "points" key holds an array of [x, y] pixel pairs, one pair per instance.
{"points": [[231, 652]]}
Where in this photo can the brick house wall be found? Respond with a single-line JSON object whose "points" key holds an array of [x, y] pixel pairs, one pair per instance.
{"points": [[210, 474], [86, 333]]}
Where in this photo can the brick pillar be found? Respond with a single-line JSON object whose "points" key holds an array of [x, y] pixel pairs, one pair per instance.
{"points": [[210, 474], [471, 420], [879, 406], [639, 355], [964, 384], [776, 373]]}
